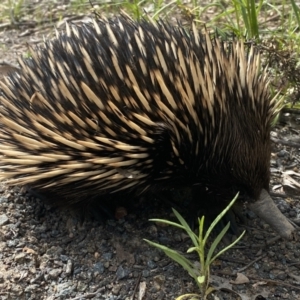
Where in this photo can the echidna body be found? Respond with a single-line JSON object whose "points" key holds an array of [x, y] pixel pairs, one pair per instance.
{"points": [[119, 105]]}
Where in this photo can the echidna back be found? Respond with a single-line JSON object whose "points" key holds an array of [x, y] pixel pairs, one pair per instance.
{"points": [[119, 105]]}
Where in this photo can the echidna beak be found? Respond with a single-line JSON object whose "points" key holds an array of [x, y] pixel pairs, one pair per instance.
{"points": [[266, 209]]}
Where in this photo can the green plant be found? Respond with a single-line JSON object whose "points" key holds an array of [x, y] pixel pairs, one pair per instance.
{"points": [[15, 8], [199, 241], [249, 11], [296, 11], [80, 6]]}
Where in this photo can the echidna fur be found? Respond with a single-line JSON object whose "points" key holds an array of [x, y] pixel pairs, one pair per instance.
{"points": [[125, 106]]}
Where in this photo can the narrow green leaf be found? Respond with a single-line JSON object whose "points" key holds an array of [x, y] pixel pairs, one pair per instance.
{"points": [[192, 249], [159, 11], [296, 11], [208, 291], [167, 222], [245, 16], [186, 227], [214, 245], [228, 247], [188, 297], [201, 230], [219, 217], [253, 20], [177, 257]]}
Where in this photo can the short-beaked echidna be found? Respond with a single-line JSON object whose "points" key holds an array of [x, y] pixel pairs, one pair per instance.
{"points": [[119, 105]]}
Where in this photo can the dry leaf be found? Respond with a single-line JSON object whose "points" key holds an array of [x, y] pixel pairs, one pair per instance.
{"points": [[142, 290], [240, 279]]}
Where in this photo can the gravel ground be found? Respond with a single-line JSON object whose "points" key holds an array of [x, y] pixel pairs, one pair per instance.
{"points": [[48, 253]]}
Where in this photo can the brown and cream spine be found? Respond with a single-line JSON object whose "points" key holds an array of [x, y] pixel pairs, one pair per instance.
{"points": [[119, 105]]}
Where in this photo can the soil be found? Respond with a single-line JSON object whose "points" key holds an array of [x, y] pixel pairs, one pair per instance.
{"points": [[49, 253]]}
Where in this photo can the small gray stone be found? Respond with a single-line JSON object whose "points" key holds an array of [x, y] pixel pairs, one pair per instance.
{"points": [[145, 273], [116, 289], [107, 256], [151, 264], [281, 276], [121, 273], [69, 267], [54, 273], [65, 288], [81, 287], [64, 258], [31, 288], [17, 289], [99, 267], [20, 257], [3, 219], [3, 200], [12, 243], [282, 153], [54, 251]]}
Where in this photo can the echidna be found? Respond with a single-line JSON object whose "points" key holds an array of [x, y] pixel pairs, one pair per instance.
{"points": [[119, 105]]}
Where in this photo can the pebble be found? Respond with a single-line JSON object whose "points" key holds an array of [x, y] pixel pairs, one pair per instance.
{"points": [[3, 219], [69, 267], [54, 273], [20, 257], [121, 273]]}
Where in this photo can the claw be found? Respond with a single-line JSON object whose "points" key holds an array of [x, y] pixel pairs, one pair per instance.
{"points": [[266, 209]]}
